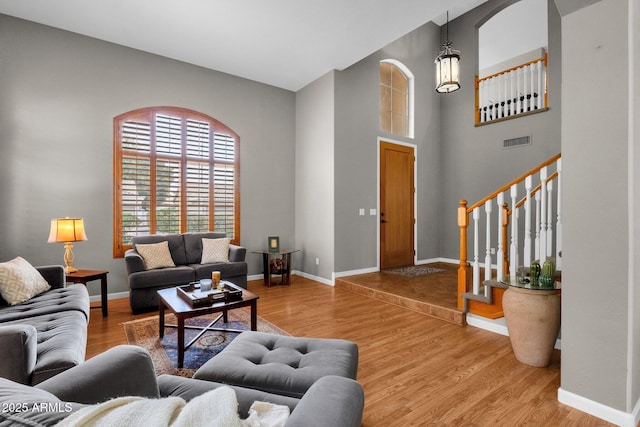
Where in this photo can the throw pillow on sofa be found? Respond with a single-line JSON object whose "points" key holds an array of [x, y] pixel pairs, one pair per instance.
{"points": [[215, 250], [20, 281], [155, 255]]}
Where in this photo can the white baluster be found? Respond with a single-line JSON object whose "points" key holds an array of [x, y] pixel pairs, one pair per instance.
{"points": [[525, 91], [536, 250], [476, 252], [518, 89], [540, 89], [532, 100], [487, 256], [494, 94], [500, 252], [544, 87], [499, 97], [559, 220], [481, 101], [514, 262], [528, 184], [512, 94], [504, 93], [549, 219], [543, 214]]}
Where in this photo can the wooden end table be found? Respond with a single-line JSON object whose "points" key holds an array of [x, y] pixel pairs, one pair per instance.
{"points": [[169, 299], [284, 270], [84, 276]]}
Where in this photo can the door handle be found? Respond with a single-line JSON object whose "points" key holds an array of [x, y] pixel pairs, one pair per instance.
{"points": [[382, 221]]}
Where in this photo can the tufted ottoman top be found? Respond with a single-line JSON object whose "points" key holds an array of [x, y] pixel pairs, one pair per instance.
{"points": [[280, 364]]}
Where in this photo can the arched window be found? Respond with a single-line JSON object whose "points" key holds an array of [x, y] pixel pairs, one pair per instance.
{"points": [[396, 98], [175, 171]]}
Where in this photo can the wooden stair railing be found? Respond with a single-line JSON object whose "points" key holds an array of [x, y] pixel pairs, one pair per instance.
{"points": [[485, 299]]}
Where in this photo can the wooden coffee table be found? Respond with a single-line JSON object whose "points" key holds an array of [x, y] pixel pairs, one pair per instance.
{"points": [[169, 299]]}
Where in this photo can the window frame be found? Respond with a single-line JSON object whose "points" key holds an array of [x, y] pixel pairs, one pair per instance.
{"points": [[148, 115], [410, 84]]}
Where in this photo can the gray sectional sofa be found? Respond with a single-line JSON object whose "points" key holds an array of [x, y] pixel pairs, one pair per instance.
{"points": [[186, 252], [128, 371], [46, 334]]}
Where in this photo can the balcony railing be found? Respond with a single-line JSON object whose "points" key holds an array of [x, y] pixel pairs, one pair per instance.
{"points": [[514, 92]]}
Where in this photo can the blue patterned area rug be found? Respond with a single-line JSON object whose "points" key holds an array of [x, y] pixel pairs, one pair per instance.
{"points": [[164, 353]]}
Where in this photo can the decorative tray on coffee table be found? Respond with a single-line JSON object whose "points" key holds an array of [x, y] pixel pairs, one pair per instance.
{"points": [[192, 294]]}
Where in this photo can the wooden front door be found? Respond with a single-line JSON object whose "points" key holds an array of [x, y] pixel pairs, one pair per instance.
{"points": [[396, 205]]}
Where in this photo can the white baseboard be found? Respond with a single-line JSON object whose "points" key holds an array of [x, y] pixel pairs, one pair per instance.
{"points": [[255, 277], [599, 410], [296, 273], [356, 272], [498, 326], [432, 260], [116, 295], [330, 282]]}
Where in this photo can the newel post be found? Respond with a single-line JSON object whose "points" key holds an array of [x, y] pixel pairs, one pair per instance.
{"points": [[463, 270]]}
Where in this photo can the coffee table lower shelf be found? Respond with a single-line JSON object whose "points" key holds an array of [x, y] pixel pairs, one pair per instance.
{"points": [[169, 300]]}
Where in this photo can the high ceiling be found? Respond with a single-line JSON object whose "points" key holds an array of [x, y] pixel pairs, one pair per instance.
{"points": [[284, 43]]}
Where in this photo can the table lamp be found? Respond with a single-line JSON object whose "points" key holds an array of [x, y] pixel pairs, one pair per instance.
{"points": [[67, 230]]}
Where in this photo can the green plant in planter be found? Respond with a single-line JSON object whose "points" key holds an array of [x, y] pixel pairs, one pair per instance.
{"points": [[534, 272], [548, 273]]}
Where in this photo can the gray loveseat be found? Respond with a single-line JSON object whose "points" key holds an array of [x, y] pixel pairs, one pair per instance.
{"points": [[186, 252], [128, 371], [46, 334]]}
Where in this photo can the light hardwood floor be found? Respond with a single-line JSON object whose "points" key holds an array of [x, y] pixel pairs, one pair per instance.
{"points": [[416, 370]]}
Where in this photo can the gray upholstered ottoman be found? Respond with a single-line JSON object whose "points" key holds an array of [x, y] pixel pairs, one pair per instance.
{"points": [[280, 364]]}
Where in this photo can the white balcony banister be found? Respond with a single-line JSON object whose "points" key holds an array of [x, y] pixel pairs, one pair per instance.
{"points": [[512, 92]]}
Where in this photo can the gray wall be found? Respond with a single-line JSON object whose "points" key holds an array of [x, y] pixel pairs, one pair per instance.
{"points": [[600, 298], [60, 92], [356, 150], [474, 164], [314, 182]]}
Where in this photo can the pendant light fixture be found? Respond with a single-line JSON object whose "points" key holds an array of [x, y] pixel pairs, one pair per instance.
{"points": [[447, 67]]}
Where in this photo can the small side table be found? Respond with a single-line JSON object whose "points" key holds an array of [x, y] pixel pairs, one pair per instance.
{"points": [[84, 276], [283, 270]]}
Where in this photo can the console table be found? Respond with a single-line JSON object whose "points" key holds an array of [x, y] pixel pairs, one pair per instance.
{"points": [[283, 270], [84, 276]]}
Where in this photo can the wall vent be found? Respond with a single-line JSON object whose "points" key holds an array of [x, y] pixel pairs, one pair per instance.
{"points": [[516, 142]]}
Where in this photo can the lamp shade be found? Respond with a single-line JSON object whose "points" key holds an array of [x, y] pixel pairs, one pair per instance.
{"points": [[447, 70], [65, 230]]}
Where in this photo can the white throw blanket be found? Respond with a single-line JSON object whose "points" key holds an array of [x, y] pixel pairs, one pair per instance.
{"points": [[217, 407]]}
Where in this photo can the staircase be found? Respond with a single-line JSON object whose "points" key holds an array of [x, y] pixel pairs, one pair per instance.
{"points": [[528, 228]]}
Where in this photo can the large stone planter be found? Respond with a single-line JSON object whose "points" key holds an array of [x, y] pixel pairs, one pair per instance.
{"points": [[533, 321]]}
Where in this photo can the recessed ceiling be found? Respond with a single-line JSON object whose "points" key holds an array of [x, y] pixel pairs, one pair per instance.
{"points": [[284, 43]]}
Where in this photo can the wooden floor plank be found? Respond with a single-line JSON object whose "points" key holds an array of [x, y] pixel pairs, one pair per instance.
{"points": [[416, 370]]}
